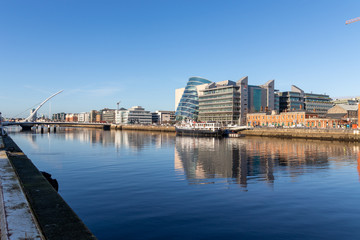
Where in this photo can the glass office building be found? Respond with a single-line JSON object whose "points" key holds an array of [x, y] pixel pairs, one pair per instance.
{"points": [[188, 107], [224, 102]]}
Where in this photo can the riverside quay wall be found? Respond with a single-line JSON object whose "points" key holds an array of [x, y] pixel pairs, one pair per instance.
{"points": [[30, 208], [349, 135], [144, 128]]}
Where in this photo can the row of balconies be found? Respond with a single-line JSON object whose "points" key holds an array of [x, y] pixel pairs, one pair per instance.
{"points": [[223, 111], [220, 96], [220, 108], [217, 103]]}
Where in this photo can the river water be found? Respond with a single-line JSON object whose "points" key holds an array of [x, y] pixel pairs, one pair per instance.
{"points": [[140, 185]]}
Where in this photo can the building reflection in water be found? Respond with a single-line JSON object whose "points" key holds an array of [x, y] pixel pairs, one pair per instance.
{"points": [[232, 160], [242, 161], [135, 140], [358, 165]]}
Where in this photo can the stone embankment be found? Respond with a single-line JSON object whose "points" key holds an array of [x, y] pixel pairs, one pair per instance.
{"points": [[144, 128], [349, 135], [100, 126], [30, 208]]}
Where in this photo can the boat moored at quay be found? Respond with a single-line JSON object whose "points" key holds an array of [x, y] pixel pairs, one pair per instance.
{"points": [[201, 129]]}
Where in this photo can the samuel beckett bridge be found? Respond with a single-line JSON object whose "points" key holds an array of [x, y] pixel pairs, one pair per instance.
{"points": [[30, 121]]}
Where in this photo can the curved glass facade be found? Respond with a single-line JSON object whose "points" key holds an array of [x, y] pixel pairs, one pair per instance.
{"points": [[188, 107]]}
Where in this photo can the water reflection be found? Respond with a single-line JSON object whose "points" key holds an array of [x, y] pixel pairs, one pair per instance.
{"points": [[242, 161], [123, 184], [210, 160], [135, 140]]}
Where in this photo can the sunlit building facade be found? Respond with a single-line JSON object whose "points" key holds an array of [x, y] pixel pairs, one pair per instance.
{"points": [[262, 97], [297, 99], [134, 115], [224, 102]]}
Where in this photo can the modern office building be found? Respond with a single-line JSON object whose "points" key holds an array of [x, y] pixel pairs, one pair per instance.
{"points": [[84, 117], [317, 103], [187, 106], [348, 101], [276, 101], [108, 115], [162, 117], [59, 117], [262, 97], [297, 99], [92, 115], [119, 115], [291, 100], [134, 115], [224, 102]]}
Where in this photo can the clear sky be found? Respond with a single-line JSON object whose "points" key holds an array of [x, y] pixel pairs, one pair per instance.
{"points": [[139, 52]]}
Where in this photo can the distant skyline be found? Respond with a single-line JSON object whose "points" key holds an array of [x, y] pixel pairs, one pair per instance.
{"points": [[139, 52]]}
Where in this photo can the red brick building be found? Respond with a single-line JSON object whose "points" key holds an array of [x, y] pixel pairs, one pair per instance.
{"points": [[291, 119]]}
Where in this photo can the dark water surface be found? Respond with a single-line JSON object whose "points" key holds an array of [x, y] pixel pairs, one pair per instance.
{"points": [[139, 185]]}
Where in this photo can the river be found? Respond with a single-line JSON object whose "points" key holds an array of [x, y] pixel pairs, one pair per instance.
{"points": [[141, 185]]}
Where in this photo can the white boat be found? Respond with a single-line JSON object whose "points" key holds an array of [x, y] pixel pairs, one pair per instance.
{"points": [[200, 129]]}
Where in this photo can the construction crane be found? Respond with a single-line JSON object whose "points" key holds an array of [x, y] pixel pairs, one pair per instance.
{"points": [[118, 103], [352, 20]]}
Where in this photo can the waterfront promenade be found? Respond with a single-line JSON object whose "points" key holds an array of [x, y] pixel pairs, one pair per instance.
{"points": [[30, 208]]}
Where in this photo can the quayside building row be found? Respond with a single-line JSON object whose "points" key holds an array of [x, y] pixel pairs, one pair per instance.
{"points": [[133, 115], [237, 102]]}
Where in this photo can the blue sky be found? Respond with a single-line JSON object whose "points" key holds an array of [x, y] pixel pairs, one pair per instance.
{"points": [[139, 52]]}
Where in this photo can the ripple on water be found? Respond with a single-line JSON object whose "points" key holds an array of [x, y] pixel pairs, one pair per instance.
{"points": [[137, 185]]}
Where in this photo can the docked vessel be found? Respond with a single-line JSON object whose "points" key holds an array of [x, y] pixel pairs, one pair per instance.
{"points": [[200, 130]]}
